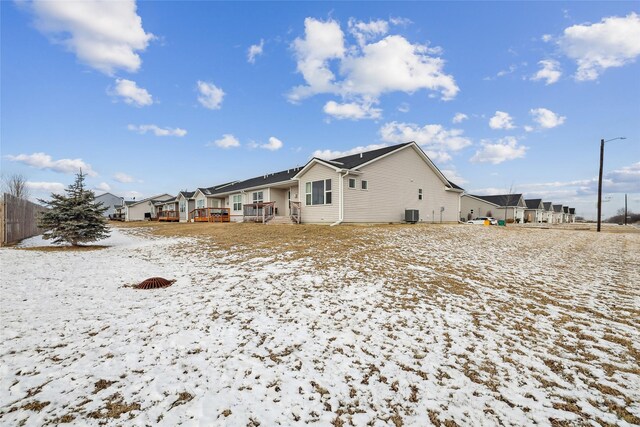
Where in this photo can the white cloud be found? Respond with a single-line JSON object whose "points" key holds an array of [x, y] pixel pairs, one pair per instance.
{"points": [[549, 71], [273, 144], [106, 35], [351, 110], [49, 187], [254, 51], [103, 186], [459, 118], [368, 68], [157, 131], [528, 128], [123, 177], [210, 95], [332, 154], [434, 138], [404, 107], [501, 120], [613, 42], [132, 94], [546, 119], [503, 150], [364, 31], [398, 20], [227, 141], [625, 180], [547, 38], [453, 176], [323, 41], [45, 161]]}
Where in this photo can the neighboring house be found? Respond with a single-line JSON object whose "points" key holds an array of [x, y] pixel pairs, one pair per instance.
{"points": [[558, 214], [269, 195], [143, 209], [511, 207], [373, 186], [110, 201], [565, 214], [572, 215], [186, 204], [534, 211], [377, 186], [548, 212], [475, 207]]}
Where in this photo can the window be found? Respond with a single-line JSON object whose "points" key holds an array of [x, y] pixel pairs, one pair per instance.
{"points": [[352, 183], [257, 197], [365, 185], [419, 193], [318, 192], [200, 203], [237, 202], [182, 206]]}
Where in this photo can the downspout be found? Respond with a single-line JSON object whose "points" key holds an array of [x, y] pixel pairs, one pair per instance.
{"points": [[340, 200]]}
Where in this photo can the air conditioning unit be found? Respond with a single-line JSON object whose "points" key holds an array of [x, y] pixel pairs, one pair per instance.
{"points": [[411, 215]]}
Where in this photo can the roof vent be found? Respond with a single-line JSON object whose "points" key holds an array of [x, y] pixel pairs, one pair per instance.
{"points": [[360, 155]]}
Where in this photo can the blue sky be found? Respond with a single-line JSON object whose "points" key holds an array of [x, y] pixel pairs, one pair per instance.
{"points": [[159, 97]]}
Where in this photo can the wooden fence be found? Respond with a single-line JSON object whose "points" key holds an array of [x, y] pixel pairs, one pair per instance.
{"points": [[18, 219]]}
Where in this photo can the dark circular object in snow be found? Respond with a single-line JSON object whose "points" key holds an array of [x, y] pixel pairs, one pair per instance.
{"points": [[154, 283]]}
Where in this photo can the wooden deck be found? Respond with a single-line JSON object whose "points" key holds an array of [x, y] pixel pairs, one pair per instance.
{"points": [[169, 216], [210, 215]]}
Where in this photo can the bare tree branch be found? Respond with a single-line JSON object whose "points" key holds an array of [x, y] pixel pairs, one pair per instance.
{"points": [[16, 185]]}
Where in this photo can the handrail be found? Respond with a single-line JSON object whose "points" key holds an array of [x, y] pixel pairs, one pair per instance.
{"points": [[258, 211], [210, 215], [295, 209]]}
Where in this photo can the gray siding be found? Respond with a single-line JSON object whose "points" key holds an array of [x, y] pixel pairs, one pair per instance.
{"points": [[393, 184], [319, 213], [480, 208], [110, 201]]}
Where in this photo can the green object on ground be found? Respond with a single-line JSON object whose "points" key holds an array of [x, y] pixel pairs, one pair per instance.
{"points": [[501, 222]]}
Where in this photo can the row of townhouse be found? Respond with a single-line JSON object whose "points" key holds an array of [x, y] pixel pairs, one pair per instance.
{"points": [[515, 208], [376, 186], [388, 185]]}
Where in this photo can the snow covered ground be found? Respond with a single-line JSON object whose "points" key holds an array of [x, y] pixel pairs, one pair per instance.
{"points": [[387, 325]]}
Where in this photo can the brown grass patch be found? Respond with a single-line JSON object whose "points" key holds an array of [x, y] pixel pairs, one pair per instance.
{"points": [[115, 407]]}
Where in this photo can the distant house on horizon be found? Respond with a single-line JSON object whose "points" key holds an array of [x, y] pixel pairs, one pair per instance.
{"points": [[110, 201]]}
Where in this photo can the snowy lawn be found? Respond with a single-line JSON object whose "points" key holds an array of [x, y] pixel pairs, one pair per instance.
{"points": [[293, 325]]}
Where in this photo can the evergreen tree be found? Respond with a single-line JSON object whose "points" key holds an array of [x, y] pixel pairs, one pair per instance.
{"points": [[75, 217]]}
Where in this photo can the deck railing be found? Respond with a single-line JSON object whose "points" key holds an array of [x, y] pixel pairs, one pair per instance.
{"points": [[169, 215], [258, 211], [116, 217], [295, 208], [210, 215]]}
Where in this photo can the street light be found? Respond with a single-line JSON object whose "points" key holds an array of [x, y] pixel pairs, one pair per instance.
{"points": [[602, 141]]}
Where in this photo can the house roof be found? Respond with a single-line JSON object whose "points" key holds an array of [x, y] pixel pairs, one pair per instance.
{"points": [[107, 193], [572, 211], [187, 194], [346, 162], [256, 182], [502, 199], [565, 209], [547, 206], [152, 199], [533, 203], [557, 208], [353, 161]]}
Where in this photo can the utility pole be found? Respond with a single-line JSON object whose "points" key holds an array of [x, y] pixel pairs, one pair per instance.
{"points": [[625, 209], [602, 141], [600, 182]]}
